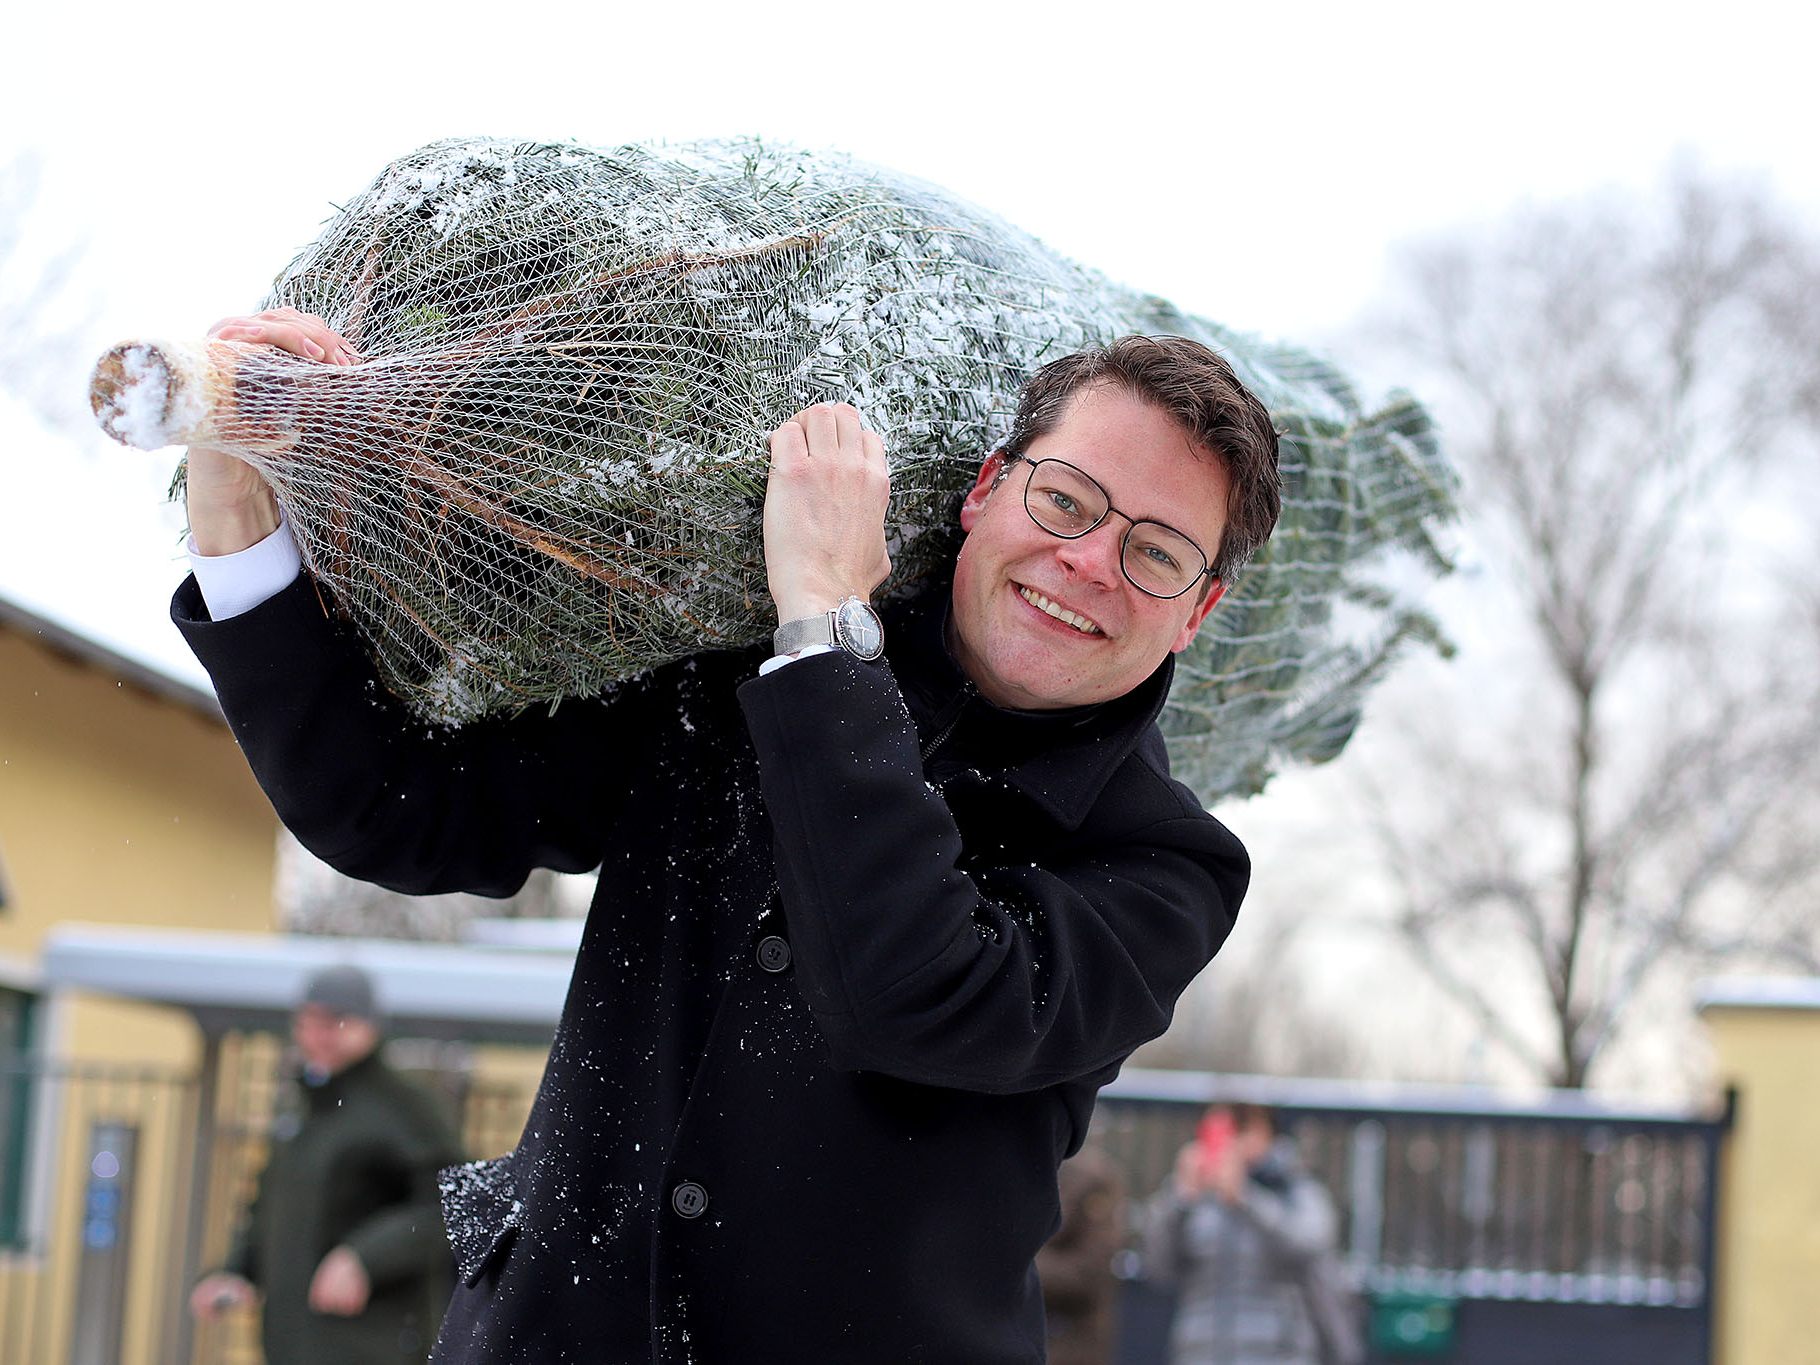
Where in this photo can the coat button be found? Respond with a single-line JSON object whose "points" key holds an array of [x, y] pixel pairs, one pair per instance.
{"points": [[689, 1199], [773, 953]]}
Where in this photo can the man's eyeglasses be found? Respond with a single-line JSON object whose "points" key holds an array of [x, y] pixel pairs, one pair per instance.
{"points": [[1158, 559]]}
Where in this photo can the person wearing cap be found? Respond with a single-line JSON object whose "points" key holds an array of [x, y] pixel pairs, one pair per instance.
{"points": [[344, 1239]]}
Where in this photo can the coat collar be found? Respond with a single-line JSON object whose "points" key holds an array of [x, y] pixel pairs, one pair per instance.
{"points": [[329, 1092], [1060, 760]]}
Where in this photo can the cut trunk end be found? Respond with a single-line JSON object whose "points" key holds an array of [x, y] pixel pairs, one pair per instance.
{"points": [[151, 394]]}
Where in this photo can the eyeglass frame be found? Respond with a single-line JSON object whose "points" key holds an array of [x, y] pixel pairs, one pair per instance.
{"points": [[1124, 541]]}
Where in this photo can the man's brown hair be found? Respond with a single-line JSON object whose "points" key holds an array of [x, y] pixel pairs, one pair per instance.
{"points": [[1197, 387]]}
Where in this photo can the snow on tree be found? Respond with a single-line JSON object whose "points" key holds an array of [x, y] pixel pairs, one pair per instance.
{"points": [[547, 474]]}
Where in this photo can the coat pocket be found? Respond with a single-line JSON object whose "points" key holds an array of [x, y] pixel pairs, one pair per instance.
{"points": [[482, 1211]]}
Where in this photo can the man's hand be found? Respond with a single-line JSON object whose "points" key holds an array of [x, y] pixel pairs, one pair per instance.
{"points": [[825, 512], [1227, 1173], [217, 1293], [340, 1285], [230, 506], [1190, 1172]]}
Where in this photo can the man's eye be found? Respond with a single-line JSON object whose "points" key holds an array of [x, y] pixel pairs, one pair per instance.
{"points": [[1064, 504], [1160, 557]]}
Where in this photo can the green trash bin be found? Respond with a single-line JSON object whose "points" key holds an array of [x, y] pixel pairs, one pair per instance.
{"points": [[1411, 1326]]}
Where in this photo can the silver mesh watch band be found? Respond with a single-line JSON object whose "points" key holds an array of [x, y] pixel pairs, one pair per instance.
{"points": [[800, 634], [852, 627]]}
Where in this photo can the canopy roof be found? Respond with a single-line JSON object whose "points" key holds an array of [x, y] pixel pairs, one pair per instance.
{"points": [[1760, 993], [252, 981]]}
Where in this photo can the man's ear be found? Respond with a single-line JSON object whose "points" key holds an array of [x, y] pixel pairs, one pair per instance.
{"points": [[975, 502], [1198, 615]]}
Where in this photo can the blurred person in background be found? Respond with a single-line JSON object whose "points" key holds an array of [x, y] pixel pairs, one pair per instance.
{"points": [[344, 1238], [1247, 1239], [1080, 1292]]}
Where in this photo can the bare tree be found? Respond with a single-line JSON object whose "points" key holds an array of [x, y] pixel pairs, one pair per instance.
{"points": [[1253, 1013], [1632, 389], [313, 898]]}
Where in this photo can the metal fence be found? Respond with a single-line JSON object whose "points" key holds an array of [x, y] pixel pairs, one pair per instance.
{"points": [[93, 1173], [1563, 1201], [104, 1193]]}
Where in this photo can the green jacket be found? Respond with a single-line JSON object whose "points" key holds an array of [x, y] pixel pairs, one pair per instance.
{"points": [[353, 1162]]}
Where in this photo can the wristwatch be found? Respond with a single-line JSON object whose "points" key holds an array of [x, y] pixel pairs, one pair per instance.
{"points": [[852, 626]]}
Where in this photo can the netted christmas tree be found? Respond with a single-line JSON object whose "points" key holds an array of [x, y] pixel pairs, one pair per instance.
{"points": [[547, 474]]}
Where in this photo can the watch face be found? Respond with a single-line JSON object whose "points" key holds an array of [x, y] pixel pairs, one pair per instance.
{"points": [[861, 633]]}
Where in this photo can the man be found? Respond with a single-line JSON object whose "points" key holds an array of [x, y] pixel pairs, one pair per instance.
{"points": [[1080, 1290], [870, 932], [344, 1237], [1247, 1237]]}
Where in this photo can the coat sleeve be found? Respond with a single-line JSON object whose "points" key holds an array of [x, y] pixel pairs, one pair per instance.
{"points": [[1165, 1221], [243, 1252], [384, 797], [399, 1240], [1000, 978], [1299, 1222]]}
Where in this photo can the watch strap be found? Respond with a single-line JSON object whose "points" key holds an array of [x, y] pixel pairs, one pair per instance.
{"points": [[803, 632]]}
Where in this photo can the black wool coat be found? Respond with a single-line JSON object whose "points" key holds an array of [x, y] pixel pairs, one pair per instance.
{"points": [[864, 949]]}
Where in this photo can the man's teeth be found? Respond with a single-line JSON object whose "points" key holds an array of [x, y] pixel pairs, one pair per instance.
{"points": [[1041, 603]]}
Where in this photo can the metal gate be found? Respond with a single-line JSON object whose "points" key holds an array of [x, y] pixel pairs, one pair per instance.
{"points": [[1565, 1229], [109, 1172], [93, 1171]]}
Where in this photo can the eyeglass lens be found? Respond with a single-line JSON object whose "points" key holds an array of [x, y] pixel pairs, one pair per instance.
{"points": [[1066, 502]]}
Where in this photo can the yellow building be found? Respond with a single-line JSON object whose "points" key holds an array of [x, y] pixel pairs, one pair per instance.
{"points": [[123, 800], [1767, 1035], [142, 991]]}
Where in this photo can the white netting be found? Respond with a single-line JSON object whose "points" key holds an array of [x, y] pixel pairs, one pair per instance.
{"points": [[547, 475]]}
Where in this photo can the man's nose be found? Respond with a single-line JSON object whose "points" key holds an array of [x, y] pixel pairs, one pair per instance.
{"points": [[1094, 557]]}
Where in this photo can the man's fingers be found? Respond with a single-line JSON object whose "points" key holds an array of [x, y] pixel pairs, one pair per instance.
{"points": [[337, 350], [302, 334], [285, 336], [820, 430], [847, 425], [297, 341], [789, 443]]}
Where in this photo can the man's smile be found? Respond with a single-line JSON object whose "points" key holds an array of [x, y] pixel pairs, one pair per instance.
{"points": [[1081, 624]]}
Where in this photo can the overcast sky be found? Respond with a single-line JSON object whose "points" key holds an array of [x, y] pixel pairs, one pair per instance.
{"points": [[1251, 162], [1256, 164]]}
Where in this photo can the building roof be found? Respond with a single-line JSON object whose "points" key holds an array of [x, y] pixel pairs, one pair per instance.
{"points": [[1760, 993], [90, 549], [1353, 1096], [252, 981], [160, 682]]}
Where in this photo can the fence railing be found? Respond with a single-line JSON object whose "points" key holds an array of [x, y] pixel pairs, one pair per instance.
{"points": [[92, 1176], [1563, 1199], [97, 1191]]}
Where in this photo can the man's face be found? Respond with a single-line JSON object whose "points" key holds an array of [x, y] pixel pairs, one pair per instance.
{"points": [[1015, 651], [331, 1042], [1253, 1140]]}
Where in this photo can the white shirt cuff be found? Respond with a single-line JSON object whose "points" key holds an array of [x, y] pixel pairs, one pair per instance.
{"points": [[777, 661], [236, 583]]}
